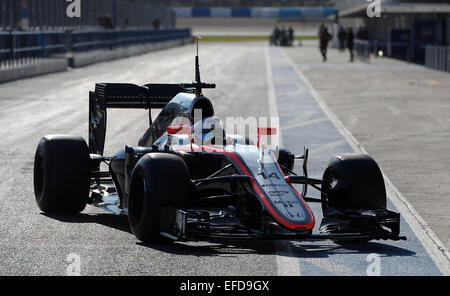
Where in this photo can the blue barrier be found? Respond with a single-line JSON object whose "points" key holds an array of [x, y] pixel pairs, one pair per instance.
{"points": [[28, 45], [5, 46], [329, 11], [290, 13], [301, 12], [241, 12], [85, 40], [200, 12], [53, 43]]}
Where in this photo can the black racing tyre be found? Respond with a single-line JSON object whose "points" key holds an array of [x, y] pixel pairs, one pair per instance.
{"points": [[353, 182], [286, 160], [62, 174], [158, 180]]}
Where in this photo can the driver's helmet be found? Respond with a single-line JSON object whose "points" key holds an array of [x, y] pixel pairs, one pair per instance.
{"points": [[209, 131]]}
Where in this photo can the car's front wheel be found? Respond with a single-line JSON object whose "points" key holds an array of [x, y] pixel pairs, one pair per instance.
{"points": [[353, 182], [158, 180]]}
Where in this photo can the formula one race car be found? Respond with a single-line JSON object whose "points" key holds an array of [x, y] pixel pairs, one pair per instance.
{"points": [[191, 180]]}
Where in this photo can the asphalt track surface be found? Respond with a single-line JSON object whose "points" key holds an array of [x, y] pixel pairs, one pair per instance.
{"points": [[399, 113], [253, 80]]}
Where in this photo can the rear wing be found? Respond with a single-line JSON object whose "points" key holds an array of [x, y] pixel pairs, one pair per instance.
{"points": [[124, 95]]}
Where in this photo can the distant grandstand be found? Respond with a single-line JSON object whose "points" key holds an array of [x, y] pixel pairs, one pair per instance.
{"points": [[254, 18]]}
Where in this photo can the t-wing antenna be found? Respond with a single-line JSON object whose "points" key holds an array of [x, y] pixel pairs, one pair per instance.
{"points": [[198, 85], [197, 70]]}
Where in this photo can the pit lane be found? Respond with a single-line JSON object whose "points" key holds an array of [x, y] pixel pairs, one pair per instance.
{"points": [[37, 244]]}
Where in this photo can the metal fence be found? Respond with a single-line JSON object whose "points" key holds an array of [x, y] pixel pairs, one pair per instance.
{"points": [[25, 47], [84, 40], [52, 14], [437, 57]]}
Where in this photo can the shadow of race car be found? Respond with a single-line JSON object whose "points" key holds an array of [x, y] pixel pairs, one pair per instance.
{"points": [[191, 181]]}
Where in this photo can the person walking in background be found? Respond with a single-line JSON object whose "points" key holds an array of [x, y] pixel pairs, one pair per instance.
{"points": [[324, 38], [283, 37], [156, 23], [342, 36], [291, 36], [350, 42], [321, 28], [275, 36]]}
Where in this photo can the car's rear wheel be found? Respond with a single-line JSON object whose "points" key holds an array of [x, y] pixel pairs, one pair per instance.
{"points": [[158, 180], [61, 174]]}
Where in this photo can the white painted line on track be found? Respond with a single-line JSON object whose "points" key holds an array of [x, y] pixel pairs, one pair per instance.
{"points": [[421, 228], [287, 263]]}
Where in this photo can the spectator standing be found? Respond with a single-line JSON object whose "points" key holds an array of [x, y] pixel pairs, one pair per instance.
{"points": [[324, 38], [283, 37], [350, 42], [291, 36], [276, 35], [321, 28], [342, 36], [156, 23]]}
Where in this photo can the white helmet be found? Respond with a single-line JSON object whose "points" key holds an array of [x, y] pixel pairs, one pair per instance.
{"points": [[209, 131]]}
